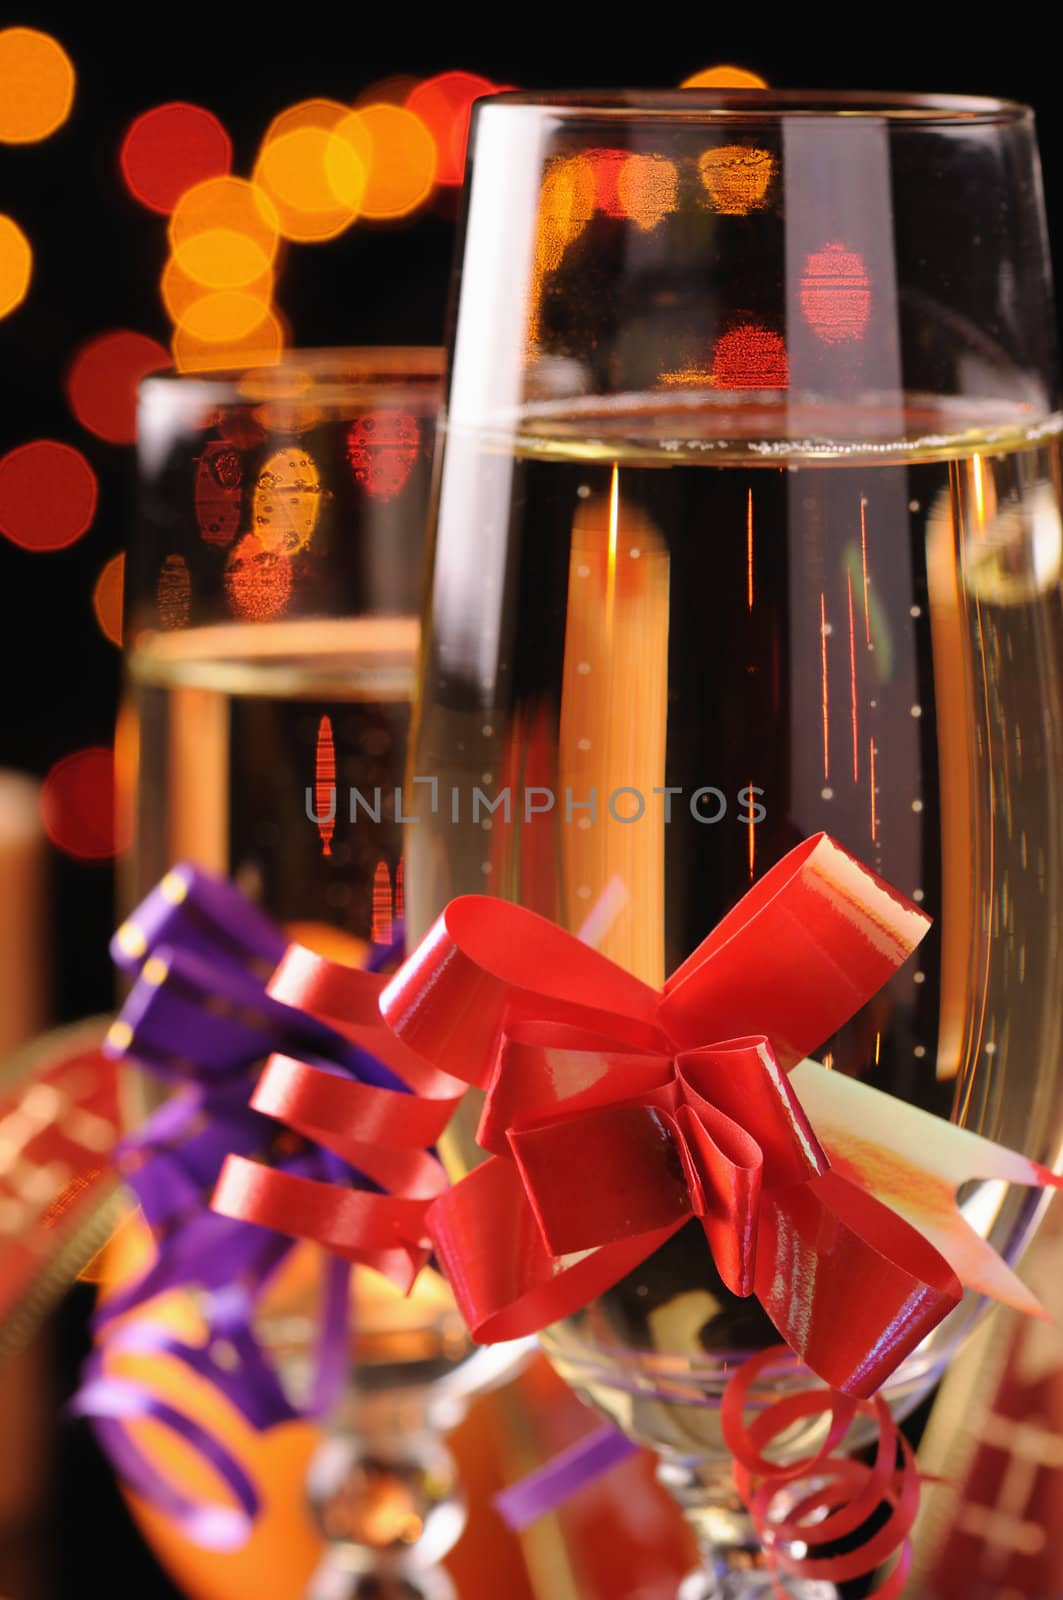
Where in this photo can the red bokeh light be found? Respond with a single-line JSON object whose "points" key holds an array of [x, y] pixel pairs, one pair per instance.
{"points": [[78, 805], [750, 357], [258, 582], [381, 450], [101, 383], [836, 293], [444, 104], [168, 149], [608, 165], [47, 495]]}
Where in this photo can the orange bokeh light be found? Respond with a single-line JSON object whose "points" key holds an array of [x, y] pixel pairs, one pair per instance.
{"points": [[394, 90], [646, 188], [78, 805], [444, 104], [260, 347], [224, 233], [725, 78], [169, 149], [736, 177], [47, 495], [101, 382], [183, 298], [107, 599], [16, 265], [258, 582], [315, 179], [173, 594], [286, 501], [36, 85], [402, 172]]}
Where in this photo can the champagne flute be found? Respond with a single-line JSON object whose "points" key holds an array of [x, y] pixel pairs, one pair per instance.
{"points": [[272, 626], [748, 526]]}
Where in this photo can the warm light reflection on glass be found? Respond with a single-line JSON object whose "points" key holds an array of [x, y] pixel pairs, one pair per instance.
{"points": [[218, 492], [566, 205], [381, 450], [107, 598], [258, 582], [444, 104], [725, 77], [836, 294], [36, 85], [47, 495], [750, 357], [173, 594], [382, 908], [646, 189], [101, 381], [736, 177], [16, 265], [169, 149], [606, 165], [402, 172], [325, 796], [286, 501]]}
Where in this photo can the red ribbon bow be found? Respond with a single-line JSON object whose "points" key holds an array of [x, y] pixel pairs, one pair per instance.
{"points": [[615, 1113]]}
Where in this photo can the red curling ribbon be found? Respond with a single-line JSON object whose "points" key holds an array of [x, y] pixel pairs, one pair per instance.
{"points": [[846, 1493], [615, 1113], [385, 1134]]}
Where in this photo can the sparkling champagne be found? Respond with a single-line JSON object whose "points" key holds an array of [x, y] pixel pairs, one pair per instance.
{"points": [[708, 638]]}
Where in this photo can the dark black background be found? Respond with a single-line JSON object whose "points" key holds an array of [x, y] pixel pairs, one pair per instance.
{"points": [[98, 256]]}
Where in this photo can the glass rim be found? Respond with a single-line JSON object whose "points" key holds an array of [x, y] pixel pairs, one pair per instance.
{"points": [[322, 372], [763, 105]]}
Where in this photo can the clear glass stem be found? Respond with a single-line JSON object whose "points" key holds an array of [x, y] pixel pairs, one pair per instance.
{"points": [[385, 1491], [733, 1563]]}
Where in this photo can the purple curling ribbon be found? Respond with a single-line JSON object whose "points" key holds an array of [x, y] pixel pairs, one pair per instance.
{"points": [[549, 1486], [199, 1018]]}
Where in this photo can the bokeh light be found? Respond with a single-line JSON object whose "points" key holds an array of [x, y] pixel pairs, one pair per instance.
{"points": [[228, 316], [607, 165], [169, 149], [101, 382], [258, 582], [315, 178], [16, 265], [836, 293], [393, 90], [36, 85], [750, 356], [47, 495], [402, 172], [260, 347], [444, 104], [646, 188], [725, 78], [181, 293], [78, 805], [173, 593], [286, 501], [107, 598], [224, 233], [736, 177], [218, 491], [381, 450]]}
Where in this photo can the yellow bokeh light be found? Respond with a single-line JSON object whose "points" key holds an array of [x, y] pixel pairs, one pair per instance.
{"points": [[725, 78], [16, 265], [736, 177], [180, 292], [402, 170], [225, 315], [286, 501], [224, 232], [315, 179], [263, 346], [36, 85]]}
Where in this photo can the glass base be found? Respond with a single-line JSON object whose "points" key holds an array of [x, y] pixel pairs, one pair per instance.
{"points": [[753, 1584]]}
